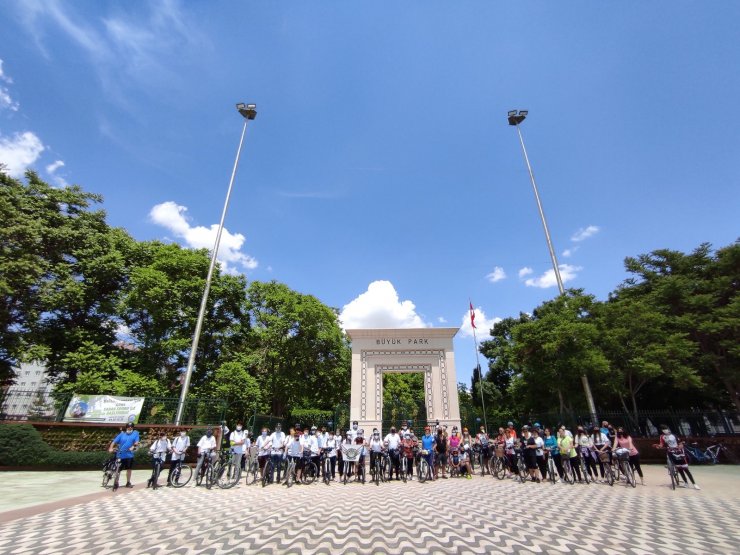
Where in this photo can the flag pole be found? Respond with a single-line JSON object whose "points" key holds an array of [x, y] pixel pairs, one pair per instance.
{"points": [[477, 361]]}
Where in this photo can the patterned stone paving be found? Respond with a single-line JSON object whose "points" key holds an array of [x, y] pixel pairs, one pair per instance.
{"points": [[482, 515]]}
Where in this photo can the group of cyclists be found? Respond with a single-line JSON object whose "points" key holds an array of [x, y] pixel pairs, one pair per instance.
{"points": [[534, 453]]}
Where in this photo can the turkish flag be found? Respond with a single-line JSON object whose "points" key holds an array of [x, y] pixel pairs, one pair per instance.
{"points": [[472, 315]]}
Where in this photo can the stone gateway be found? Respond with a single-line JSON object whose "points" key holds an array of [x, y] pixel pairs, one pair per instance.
{"points": [[426, 350]]}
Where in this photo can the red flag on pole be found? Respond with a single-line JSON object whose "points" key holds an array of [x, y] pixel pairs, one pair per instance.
{"points": [[472, 315]]}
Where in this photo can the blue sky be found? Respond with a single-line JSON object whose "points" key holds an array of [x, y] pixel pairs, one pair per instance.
{"points": [[380, 174]]}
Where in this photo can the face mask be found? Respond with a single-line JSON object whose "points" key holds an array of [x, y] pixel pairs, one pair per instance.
{"points": [[129, 431], [376, 436], [312, 432], [238, 428], [182, 434], [665, 432], [354, 426], [331, 436], [209, 434], [264, 434]]}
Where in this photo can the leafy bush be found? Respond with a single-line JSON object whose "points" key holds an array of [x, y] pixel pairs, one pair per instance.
{"points": [[310, 417], [22, 445]]}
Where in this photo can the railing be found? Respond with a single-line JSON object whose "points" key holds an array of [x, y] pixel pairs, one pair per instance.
{"points": [[41, 405]]}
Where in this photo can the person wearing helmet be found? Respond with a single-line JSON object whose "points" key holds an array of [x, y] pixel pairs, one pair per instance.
{"points": [[441, 448], [124, 444], [427, 449], [158, 450], [393, 442]]}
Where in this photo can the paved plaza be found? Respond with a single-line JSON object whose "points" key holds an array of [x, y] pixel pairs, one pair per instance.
{"points": [[483, 515]]}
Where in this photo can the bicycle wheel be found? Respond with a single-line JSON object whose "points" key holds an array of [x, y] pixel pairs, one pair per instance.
{"points": [[327, 471], [482, 462], [251, 472], [404, 462], [266, 471], [551, 469], [584, 469], [180, 476], [674, 478], [568, 475], [290, 474], [423, 470], [309, 473], [629, 473], [209, 477], [116, 475], [608, 476], [155, 478], [228, 475], [107, 477]]}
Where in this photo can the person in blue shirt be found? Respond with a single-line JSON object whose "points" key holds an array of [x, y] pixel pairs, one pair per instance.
{"points": [[427, 444], [126, 442]]}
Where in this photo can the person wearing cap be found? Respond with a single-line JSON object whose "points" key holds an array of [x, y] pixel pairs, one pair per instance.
{"points": [[393, 441], [158, 450], [126, 442], [206, 448]]}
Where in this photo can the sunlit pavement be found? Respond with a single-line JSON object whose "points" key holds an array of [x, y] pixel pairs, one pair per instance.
{"points": [[482, 515]]}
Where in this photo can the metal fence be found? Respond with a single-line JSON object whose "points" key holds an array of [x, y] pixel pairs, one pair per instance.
{"points": [[690, 423], [42, 405]]}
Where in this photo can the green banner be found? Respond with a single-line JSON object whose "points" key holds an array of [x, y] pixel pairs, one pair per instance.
{"points": [[103, 408]]}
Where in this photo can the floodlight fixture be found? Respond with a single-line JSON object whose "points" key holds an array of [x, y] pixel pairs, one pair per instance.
{"points": [[249, 111], [516, 117]]}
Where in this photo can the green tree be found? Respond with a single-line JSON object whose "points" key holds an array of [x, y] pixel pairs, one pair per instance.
{"points": [[295, 349]]}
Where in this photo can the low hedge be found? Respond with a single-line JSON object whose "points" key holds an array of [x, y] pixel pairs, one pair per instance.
{"points": [[22, 445]]}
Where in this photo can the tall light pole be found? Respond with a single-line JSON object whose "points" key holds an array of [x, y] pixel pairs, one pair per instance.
{"points": [[249, 111], [515, 117]]}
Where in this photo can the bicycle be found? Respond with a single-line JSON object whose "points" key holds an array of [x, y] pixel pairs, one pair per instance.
{"points": [[484, 458], [267, 472], [622, 456], [569, 474], [498, 464], [180, 475], [290, 472], [111, 469], [228, 473], [672, 472], [310, 471], [522, 467], [608, 475], [551, 467], [584, 466], [206, 470], [158, 461], [452, 467], [325, 467], [709, 455], [377, 473], [251, 468], [423, 468]]}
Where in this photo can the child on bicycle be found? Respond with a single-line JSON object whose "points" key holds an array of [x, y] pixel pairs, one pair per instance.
{"points": [[677, 455], [158, 450]]}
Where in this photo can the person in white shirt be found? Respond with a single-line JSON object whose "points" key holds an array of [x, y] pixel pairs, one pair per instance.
{"points": [[294, 451], [353, 431], [206, 447], [179, 449], [278, 442], [540, 452], [310, 445], [239, 441], [158, 450], [331, 444], [392, 442], [264, 449], [375, 445]]}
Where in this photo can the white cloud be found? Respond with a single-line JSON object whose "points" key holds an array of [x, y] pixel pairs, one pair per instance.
{"points": [[497, 275], [6, 102], [483, 324], [584, 233], [525, 272], [567, 253], [172, 216], [567, 273], [441, 320], [380, 307], [19, 152], [51, 170]]}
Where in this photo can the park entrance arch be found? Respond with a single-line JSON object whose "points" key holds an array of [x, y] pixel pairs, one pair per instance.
{"points": [[426, 350]]}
